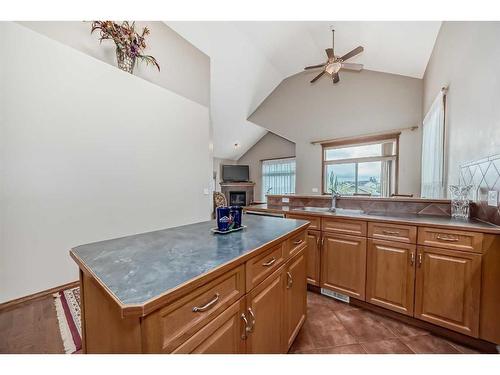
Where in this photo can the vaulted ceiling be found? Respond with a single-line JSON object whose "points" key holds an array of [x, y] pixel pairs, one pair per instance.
{"points": [[249, 59]]}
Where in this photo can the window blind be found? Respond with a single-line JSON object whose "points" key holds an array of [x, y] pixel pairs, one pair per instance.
{"points": [[278, 176]]}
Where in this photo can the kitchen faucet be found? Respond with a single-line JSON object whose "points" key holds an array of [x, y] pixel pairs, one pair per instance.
{"points": [[335, 195]]}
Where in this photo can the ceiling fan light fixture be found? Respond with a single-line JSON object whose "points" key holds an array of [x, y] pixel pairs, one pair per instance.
{"points": [[333, 67]]}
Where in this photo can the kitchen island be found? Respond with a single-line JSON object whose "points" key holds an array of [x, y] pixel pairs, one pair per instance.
{"points": [[185, 289]]}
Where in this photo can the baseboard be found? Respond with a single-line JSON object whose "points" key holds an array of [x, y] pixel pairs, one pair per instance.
{"points": [[32, 297]]}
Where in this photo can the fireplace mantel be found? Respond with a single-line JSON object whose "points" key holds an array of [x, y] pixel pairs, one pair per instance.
{"points": [[238, 187]]}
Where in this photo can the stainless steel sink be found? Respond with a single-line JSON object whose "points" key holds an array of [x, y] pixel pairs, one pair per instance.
{"points": [[340, 211]]}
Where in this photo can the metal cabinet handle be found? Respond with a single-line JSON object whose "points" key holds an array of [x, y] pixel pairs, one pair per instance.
{"points": [[289, 280], [419, 259], [270, 262], [390, 232], [322, 241], [412, 260], [447, 238], [250, 329], [245, 330], [207, 305], [317, 242], [297, 242]]}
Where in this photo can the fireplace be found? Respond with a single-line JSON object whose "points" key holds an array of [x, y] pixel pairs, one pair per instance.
{"points": [[237, 198], [238, 193]]}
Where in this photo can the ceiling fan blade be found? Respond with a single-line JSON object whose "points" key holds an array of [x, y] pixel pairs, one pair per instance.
{"points": [[314, 66], [317, 77], [329, 53], [335, 77], [353, 53], [351, 66]]}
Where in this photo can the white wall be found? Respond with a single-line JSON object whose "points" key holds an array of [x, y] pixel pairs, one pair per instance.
{"points": [[185, 70], [466, 58], [87, 152], [270, 146], [362, 103]]}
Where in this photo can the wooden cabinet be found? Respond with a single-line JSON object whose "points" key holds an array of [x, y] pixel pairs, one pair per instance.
{"points": [[314, 220], [295, 296], [390, 275], [223, 335], [343, 261], [450, 239], [265, 313], [313, 256], [393, 232], [447, 289], [344, 226]]}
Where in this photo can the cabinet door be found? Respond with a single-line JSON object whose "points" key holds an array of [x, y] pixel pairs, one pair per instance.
{"points": [[447, 290], [265, 313], [343, 262], [295, 296], [390, 275], [313, 256], [223, 335]]}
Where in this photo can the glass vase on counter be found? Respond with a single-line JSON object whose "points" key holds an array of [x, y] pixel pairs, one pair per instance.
{"points": [[460, 203]]}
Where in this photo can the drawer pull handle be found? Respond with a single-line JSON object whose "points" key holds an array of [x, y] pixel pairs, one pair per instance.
{"points": [[289, 280], [412, 260], [270, 262], [297, 242], [390, 232], [245, 330], [447, 238], [250, 329], [420, 259], [207, 305]]}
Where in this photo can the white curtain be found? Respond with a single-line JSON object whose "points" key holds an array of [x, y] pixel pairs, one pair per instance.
{"points": [[432, 179]]}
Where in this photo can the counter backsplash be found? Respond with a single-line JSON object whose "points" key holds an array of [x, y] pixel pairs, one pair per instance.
{"points": [[484, 175], [368, 205]]}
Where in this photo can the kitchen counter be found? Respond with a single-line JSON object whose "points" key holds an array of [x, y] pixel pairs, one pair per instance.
{"points": [[397, 218], [136, 270]]}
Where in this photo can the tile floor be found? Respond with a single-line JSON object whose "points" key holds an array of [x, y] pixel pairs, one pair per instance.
{"points": [[337, 328]]}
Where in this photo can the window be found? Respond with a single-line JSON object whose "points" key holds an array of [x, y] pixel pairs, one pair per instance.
{"points": [[432, 179], [363, 166], [278, 176]]}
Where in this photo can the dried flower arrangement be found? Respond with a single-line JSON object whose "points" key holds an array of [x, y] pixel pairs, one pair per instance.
{"points": [[129, 43]]}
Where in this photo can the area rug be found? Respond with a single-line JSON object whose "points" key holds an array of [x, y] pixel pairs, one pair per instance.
{"points": [[67, 305]]}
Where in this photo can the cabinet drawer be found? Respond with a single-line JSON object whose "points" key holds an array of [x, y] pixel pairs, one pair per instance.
{"points": [[393, 232], [295, 243], [342, 226], [261, 266], [451, 239], [169, 327], [314, 220]]}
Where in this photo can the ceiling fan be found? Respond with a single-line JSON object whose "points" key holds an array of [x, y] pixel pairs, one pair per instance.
{"points": [[335, 63]]}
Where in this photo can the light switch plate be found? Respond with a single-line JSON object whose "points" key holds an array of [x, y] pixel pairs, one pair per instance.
{"points": [[205, 191], [492, 198], [285, 200], [315, 190]]}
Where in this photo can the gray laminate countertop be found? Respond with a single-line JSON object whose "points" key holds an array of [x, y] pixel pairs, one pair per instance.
{"points": [[141, 267], [445, 222]]}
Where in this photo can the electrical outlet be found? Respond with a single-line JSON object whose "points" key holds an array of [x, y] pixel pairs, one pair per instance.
{"points": [[315, 190], [492, 198], [285, 200]]}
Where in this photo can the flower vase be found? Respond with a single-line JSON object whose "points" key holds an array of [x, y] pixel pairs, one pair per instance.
{"points": [[460, 201], [125, 62]]}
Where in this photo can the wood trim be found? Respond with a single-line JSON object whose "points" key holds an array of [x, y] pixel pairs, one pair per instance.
{"points": [[481, 345], [32, 297], [279, 158], [135, 310], [361, 139]]}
